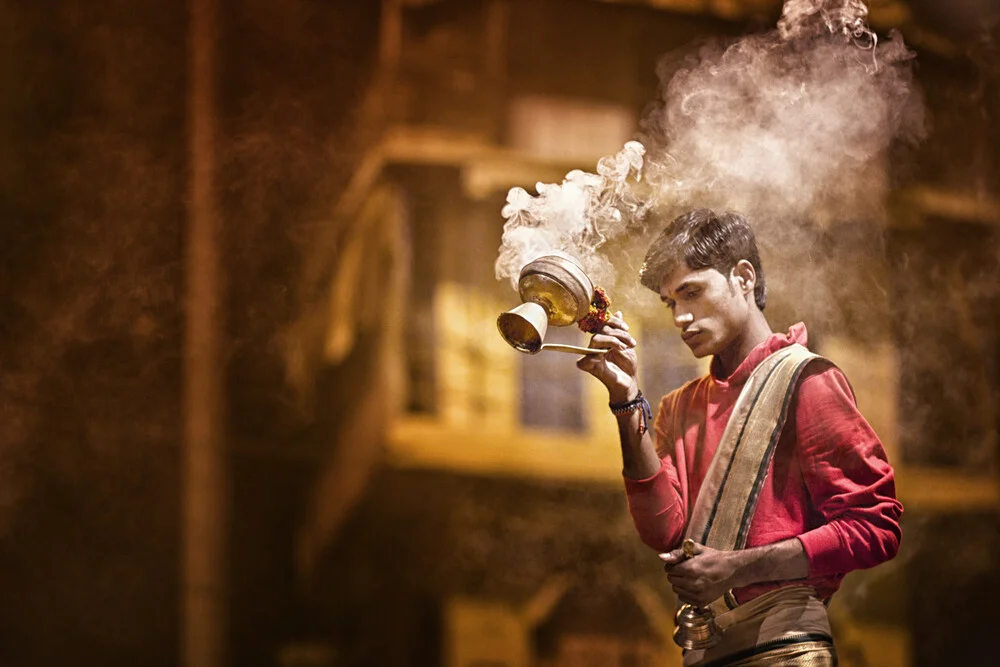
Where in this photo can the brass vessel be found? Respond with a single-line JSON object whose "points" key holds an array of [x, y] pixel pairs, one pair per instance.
{"points": [[695, 626], [554, 291]]}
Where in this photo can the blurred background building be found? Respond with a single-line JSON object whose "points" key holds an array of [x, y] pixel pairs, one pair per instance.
{"points": [[255, 409]]}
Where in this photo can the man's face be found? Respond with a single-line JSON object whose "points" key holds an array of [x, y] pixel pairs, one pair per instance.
{"points": [[707, 307]]}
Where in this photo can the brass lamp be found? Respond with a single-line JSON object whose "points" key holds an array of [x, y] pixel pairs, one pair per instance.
{"points": [[554, 291]]}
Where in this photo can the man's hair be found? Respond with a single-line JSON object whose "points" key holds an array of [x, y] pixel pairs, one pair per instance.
{"points": [[703, 239]]}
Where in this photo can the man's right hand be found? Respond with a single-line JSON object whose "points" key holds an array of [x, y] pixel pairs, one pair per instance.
{"points": [[616, 369]]}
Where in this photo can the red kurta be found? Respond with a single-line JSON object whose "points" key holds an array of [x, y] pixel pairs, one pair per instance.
{"points": [[829, 484]]}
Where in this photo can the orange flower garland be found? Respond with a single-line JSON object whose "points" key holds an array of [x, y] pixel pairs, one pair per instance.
{"points": [[598, 315]]}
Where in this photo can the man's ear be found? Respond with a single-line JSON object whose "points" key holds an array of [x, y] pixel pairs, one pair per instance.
{"points": [[745, 276]]}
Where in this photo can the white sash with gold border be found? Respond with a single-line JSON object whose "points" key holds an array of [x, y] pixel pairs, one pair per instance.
{"points": [[727, 500]]}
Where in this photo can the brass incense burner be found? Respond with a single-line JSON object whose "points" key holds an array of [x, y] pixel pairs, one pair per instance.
{"points": [[696, 626], [554, 291]]}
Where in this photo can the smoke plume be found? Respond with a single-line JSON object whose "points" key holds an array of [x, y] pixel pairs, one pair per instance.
{"points": [[790, 127], [577, 217], [794, 122]]}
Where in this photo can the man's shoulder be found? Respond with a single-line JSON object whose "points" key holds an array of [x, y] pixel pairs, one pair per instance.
{"points": [[822, 379], [812, 363]]}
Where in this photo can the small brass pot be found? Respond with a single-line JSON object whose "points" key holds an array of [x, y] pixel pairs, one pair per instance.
{"points": [[554, 291]]}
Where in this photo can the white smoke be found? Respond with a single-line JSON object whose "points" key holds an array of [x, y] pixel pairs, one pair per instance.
{"points": [[843, 16], [787, 124], [575, 218], [790, 127]]}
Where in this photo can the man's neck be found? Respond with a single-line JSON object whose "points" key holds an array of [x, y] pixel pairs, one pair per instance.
{"points": [[756, 332]]}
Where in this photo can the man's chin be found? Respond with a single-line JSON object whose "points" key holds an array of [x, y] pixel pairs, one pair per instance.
{"points": [[699, 351]]}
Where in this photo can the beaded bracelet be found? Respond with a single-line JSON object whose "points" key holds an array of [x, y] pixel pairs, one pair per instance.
{"points": [[637, 403]]}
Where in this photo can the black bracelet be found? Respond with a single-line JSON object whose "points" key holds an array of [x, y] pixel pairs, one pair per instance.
{"points": [[637, 403]]}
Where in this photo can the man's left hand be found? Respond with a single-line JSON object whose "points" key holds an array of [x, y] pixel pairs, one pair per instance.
{"points": [[702, 578]]}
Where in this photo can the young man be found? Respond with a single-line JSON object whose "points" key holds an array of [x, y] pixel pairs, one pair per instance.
{"points": [[793, 495]]}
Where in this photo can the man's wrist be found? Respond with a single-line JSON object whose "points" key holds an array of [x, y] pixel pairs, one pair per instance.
{"points": [[781, 561], [743, 568], [623, 394]]}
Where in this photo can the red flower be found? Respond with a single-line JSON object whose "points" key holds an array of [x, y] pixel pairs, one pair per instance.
{"points": [[600, 300], [598, 315]]}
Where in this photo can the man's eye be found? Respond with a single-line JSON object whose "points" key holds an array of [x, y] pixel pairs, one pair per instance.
{"points": [[692, 294]]}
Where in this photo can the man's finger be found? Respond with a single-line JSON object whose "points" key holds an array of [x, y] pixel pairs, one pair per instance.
{"points": [[589, 363], [672, 557], [616, 320], [620, 334], [677, 557], [692, 594], [698, 548], [608, 342], [681, 577], [685, 594]]}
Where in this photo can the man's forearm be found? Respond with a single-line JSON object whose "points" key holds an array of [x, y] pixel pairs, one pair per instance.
{"points": [[782, 561], [639, 458]]}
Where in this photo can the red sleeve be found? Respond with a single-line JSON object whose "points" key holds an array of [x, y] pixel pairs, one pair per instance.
{"points": [[848, 477], [655, 503]]}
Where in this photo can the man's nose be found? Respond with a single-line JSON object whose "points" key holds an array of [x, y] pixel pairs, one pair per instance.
{"points": [[682, 318]]}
